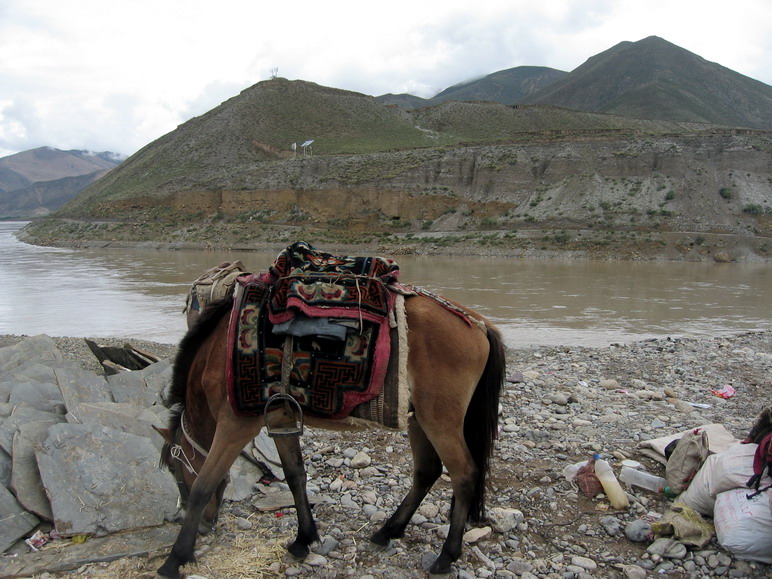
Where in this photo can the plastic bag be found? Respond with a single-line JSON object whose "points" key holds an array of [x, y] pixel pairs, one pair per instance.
{"points": [[721, 472], [587, 480], [744, 526]]}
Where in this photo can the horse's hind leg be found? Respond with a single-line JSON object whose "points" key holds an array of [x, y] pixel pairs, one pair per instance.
{"points": [[463, 476], [427, 468], [295, 474]]}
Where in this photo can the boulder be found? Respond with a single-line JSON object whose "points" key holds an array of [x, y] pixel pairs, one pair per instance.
{"points": [[25, 479], [101, 480], [17, 522]]}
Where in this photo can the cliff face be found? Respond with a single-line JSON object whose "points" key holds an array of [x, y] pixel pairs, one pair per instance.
{"points": [[596, 196]]}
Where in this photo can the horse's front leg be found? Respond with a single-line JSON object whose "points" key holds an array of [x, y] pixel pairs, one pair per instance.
{"points": [[227, 445], [295, 474], [200, 494]]}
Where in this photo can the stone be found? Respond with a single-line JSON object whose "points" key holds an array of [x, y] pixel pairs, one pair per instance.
{"points": [[477, 534], [264, 451], [45, 397], [17, 522], [101, 480], [668, 548], [503, 519], [53, 560], [609, 384], [6, 465], [128, 387], [244, 474], [25, 479], [126, 417], [634, 572], [610, 525], [22, 414], [584, 562], [361, 460], [638, 531], [79, 386], [40, 348]]}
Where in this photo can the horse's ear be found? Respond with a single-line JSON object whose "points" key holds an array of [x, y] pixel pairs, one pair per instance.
{"points": [[165, 432]]}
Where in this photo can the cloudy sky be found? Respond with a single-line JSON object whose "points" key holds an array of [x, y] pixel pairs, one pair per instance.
{"points": [[114, 76]]}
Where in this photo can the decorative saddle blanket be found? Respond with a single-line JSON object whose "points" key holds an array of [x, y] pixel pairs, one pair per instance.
{"points": [[340, 316]]}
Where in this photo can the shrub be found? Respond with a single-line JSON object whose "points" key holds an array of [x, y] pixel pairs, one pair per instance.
{"points": [[726, 193], [753, 209]]}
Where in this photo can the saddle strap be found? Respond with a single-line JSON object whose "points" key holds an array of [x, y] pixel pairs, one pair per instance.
{"points": [[287, 362]]}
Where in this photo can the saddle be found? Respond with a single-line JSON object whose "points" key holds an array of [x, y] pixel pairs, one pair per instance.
{"points": [[322, 329]]}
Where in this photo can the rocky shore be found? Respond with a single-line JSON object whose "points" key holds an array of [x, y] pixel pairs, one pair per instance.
{"points": [[560, 406]]}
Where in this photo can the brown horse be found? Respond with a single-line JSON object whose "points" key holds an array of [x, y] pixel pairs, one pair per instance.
{"points": [[455, 371]]}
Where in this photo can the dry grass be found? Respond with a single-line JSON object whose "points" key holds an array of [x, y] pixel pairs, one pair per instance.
{"points": [[234, 554]]}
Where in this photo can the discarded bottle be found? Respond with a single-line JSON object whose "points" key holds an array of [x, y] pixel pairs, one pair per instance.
{"points": [[616, 495], [645, 480]]}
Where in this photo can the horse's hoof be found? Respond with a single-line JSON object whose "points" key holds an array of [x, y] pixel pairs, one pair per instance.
{"points": [[375, 547], [440, 568]]}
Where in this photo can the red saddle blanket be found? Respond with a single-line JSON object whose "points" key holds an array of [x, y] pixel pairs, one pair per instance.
{"points": [[333, 372]]}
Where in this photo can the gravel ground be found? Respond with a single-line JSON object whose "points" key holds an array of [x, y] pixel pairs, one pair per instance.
{"points": [[559, 408]]}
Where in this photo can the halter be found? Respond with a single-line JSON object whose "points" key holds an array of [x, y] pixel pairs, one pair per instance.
{"points": [[178, 453]]}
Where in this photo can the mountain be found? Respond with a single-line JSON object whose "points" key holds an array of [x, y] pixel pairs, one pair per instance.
{"points": [[38, 181], [505, 86], [655, 79], [232, 146]]}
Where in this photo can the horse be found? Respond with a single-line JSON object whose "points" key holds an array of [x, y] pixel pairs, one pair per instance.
{"points": [[455, 371]]}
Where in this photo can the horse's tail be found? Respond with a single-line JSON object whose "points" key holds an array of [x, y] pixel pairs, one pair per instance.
{"points": [[186, 353], [481, 422]]}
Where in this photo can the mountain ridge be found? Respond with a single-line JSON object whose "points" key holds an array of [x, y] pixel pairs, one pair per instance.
{"points": [[38, 181]]}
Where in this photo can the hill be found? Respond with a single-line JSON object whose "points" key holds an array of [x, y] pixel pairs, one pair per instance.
{"points": [[654, 79], [455, 177], [505, 86], [38, 181]]}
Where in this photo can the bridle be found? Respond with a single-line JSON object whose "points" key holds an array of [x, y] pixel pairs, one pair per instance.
{"points": [[178, 454]]}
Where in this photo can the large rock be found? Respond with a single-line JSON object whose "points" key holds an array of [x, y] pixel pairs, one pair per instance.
{"points": [[79, 386], [25, 479], [101, 480], [16, 521], [22, 414], [40, 395], [38, 349], [126, 417], [142, 387]]}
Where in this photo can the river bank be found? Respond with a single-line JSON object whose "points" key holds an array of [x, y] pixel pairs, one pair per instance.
{"points": [[561, 405], [526, 242]]}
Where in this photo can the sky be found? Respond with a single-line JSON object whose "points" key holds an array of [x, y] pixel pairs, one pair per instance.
{"points": [[116, 75]]}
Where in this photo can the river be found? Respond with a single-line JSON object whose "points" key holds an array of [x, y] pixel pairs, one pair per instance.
{"points": [[140, 293]]}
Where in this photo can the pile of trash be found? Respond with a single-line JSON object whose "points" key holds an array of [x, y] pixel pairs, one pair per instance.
{"points": [[711, 476]]}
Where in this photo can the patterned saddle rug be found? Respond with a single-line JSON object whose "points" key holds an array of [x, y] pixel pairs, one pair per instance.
{"points": [[341, 320]]}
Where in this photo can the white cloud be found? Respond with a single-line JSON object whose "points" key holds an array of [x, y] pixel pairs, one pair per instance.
{"points": [[114, 76]]}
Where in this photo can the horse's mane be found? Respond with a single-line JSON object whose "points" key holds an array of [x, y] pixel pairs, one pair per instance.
{"points": [[186, 353]]}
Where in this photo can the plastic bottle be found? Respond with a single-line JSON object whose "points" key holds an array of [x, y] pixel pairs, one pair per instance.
{"points": [[644, 480], [616, 495]]}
